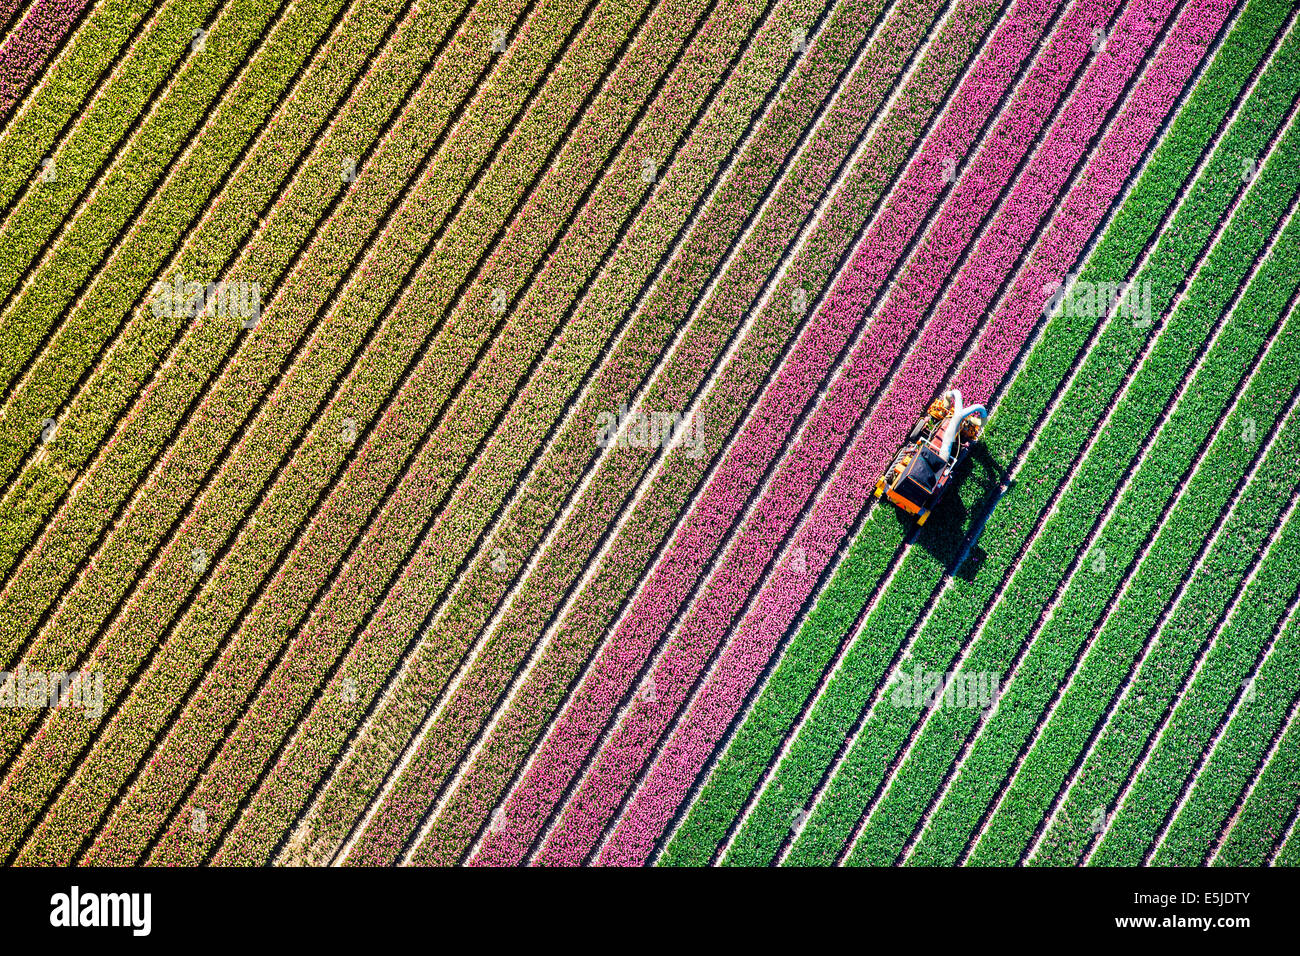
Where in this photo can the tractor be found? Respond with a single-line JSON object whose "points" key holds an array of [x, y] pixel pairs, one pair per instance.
{"points": [[921, 471]]}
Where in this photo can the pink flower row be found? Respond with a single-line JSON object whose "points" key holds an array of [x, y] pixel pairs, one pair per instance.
{"points": [[25, 49], [652, 808]]}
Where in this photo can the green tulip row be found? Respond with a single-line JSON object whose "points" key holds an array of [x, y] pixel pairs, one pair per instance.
{"points": [[1091, 488], [1260, 717], [1174, 653], [1267, 813], [1264, 698], [1225, 667], [1120, 639]]}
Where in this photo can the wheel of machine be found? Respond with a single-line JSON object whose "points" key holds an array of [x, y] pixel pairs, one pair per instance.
{"points": [[918, 429]]}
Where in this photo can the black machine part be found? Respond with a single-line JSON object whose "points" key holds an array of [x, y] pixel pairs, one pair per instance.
{"points": [[918, 482]]}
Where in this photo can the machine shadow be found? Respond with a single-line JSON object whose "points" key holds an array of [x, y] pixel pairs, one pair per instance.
{"points": [[952, 533]]}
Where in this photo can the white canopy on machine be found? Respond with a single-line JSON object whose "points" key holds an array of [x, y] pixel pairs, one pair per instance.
{"points": [[959, 415]]}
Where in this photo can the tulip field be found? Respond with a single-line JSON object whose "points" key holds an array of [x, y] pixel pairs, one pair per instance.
{"points": [[444, 432]]}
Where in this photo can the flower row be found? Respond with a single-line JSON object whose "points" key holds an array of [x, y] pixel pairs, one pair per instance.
{"points": [[1263, 819], [393, 625], [922, 768], [1221, 666], [662, 500], [158, 504], [169, 220], [94, 186], [29, 44], [338, 512], [1264, 700]]}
